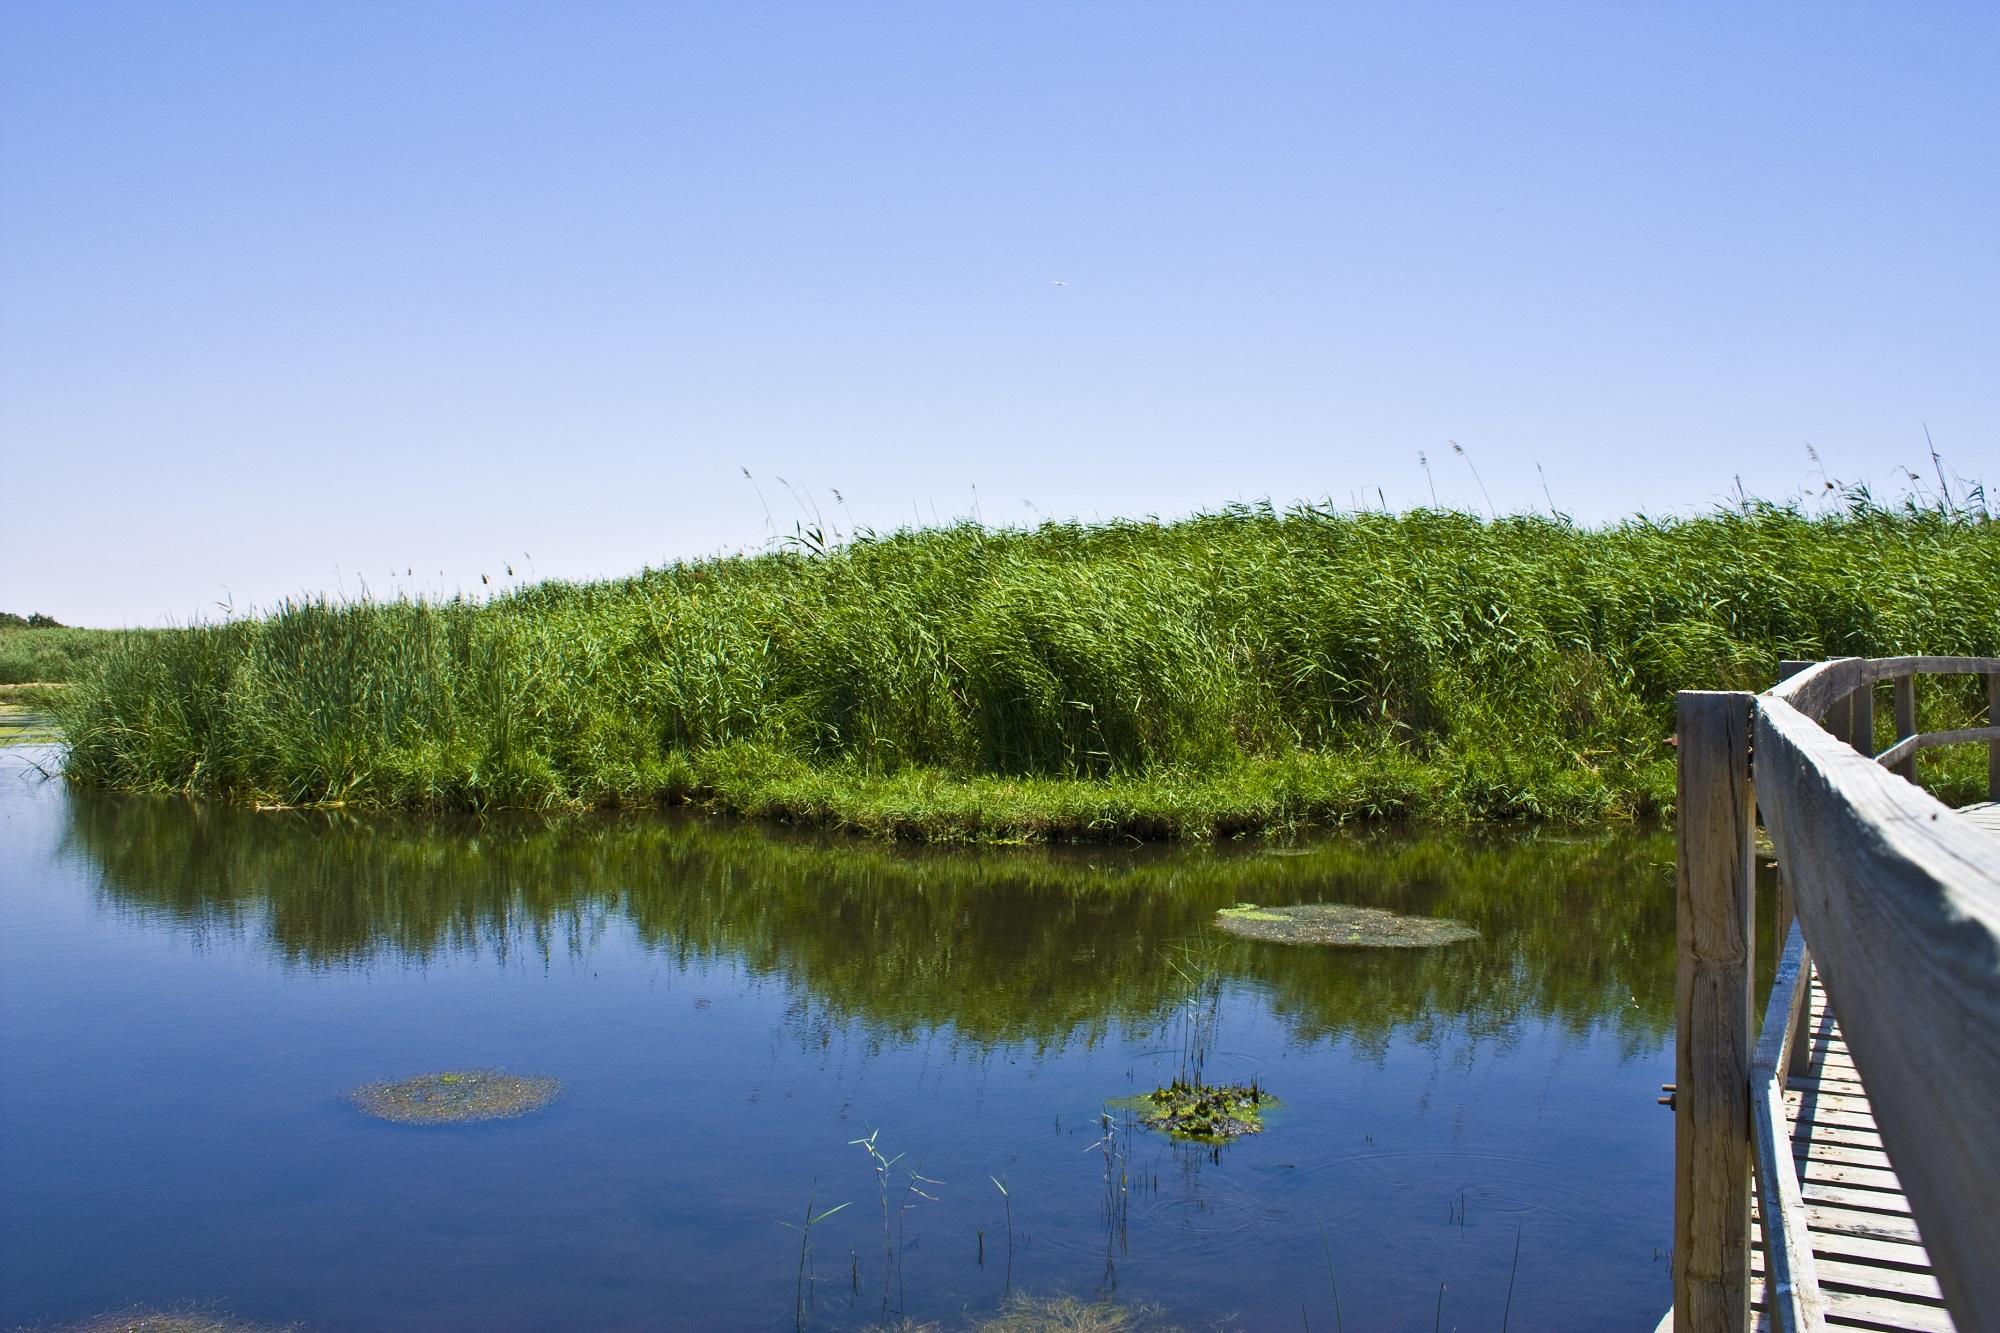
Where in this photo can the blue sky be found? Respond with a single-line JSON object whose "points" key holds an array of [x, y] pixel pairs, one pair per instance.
{"points": [[298, 297]]}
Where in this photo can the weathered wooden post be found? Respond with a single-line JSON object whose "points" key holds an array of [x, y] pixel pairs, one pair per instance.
{"points": [[1716, 901], [1906, 724], [1862, 737], [1993, 747]]}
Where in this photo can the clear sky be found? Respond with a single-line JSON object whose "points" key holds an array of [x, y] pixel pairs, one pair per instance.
{"points": [[297, 297]]}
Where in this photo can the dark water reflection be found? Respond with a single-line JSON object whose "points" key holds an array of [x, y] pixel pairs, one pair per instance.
{"points": [[187, 990]]}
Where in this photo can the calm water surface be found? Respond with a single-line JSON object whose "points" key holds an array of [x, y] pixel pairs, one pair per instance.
{"points": [[186, 992]]}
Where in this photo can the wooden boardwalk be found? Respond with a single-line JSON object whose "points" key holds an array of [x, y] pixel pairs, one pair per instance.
{"points": [[1874, 1272], [1789, 1211]]}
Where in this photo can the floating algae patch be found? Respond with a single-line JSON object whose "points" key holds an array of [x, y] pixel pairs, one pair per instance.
{"points": [[456, 1097], [1341, 924], [1050, 1314], [26, 726], [195, 1319], [1203, 1112]]}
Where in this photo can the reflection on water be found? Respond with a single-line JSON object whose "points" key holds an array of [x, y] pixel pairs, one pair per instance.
{"points": [[1000, 945], [187, 989]]}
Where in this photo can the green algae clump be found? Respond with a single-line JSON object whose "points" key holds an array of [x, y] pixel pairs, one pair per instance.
{"points": [[456, 1097], [1342, 925], [1206, 1112]]}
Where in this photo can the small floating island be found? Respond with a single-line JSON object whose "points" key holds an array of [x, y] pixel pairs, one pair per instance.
{"points": [[1342, 925], [1204, 1112], [456, 1097]]}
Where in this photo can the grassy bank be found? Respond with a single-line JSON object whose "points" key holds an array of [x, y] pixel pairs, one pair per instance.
{"points": [[1231, 672]]}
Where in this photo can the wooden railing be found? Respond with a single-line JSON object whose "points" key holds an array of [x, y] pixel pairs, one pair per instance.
{"points": [[1895, 899]]}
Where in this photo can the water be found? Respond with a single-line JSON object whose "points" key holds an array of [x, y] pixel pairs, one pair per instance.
{"points": [[186, 992]]}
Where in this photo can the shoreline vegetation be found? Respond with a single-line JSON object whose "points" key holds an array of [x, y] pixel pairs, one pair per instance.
{"points": [[1243, 671]]}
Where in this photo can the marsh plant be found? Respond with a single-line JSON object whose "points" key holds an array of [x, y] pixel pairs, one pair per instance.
{"points": [[1242, 670], [1007, 1207], [1114, 1146], [1188, 1106], [805, 1227], [1198, 969], [896, 1205]]}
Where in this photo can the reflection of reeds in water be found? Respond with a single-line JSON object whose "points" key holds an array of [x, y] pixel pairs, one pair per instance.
{"points": [[1001, 947]]}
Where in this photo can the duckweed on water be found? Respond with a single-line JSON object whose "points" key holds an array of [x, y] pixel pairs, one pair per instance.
{"points": [[1341, 924], [456, 1097]]}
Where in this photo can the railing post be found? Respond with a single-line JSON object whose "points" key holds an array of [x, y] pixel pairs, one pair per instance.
{"points": [[1993, 747], [1906, 723], [1862, 737], [1715, 910], [1839, 720]]}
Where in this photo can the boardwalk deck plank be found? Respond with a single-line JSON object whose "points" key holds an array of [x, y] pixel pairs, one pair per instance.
{"points": [[1986, 814], [1873, 1269]]}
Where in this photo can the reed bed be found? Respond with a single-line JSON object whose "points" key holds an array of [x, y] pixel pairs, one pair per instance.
{"points": [[1241, 670]]}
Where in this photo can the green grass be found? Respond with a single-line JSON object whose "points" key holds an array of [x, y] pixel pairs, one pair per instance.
{"points": [[1238, 671], [51, 655]]}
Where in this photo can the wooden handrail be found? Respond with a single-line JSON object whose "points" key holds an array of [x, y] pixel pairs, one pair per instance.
{"points": [[1840, 694], [1791, 1280], [1816, 689], [1899, 899]]}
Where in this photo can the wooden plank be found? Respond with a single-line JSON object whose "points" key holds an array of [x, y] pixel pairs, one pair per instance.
{"points": [[1894, 1257], [1846, 1309], [1715, 895], [1852, 1177], [1843, 1196], [1789, 1265], [1830, 1219], [1863, 1278], [1848, 1097], [1822, 1132], [1849, 1101], [1845, 1153], [1834, 1080], [1901, 900]]}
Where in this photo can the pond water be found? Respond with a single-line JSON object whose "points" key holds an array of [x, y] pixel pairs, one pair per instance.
{"points": [[187, 992]]}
